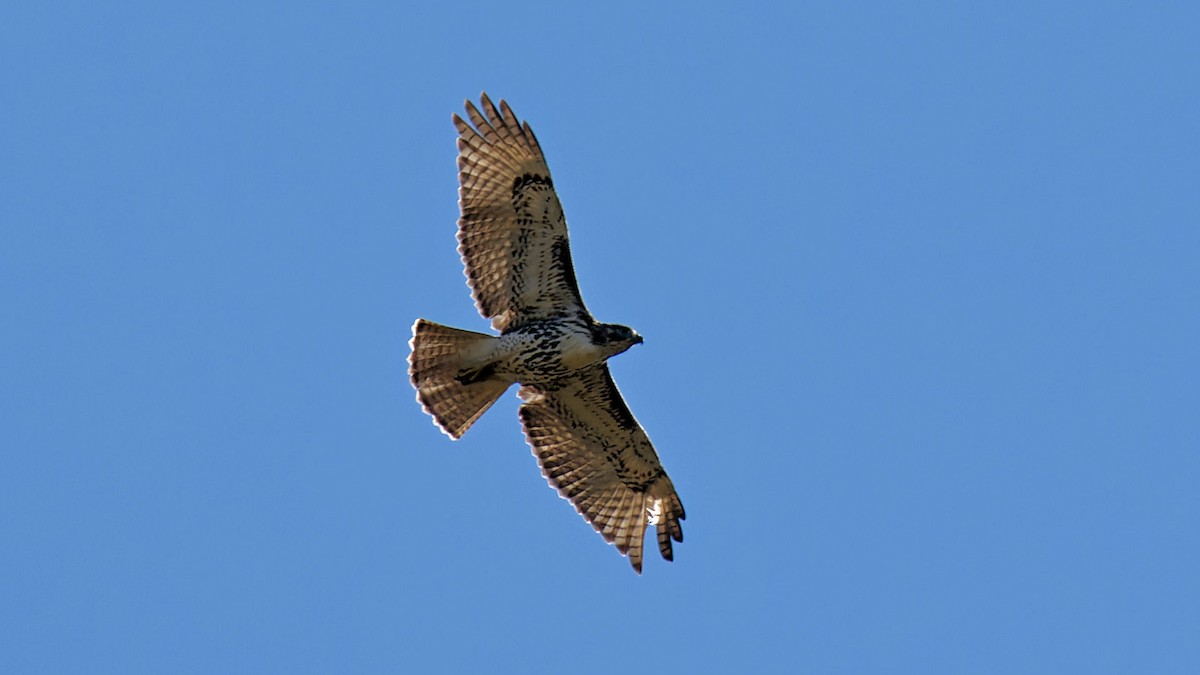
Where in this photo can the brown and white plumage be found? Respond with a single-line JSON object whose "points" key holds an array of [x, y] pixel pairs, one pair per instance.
{"points": [[513, 241], [593, 451], [512, 233]]}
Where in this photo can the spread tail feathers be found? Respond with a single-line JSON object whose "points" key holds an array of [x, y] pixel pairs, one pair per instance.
{"points": [[452, 385]]}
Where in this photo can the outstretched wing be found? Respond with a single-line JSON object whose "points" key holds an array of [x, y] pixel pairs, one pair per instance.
{"points": [[512, 233], [593, 451]]}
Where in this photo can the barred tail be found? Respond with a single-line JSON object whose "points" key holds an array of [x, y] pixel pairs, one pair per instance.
{"points": [[452, 385]]}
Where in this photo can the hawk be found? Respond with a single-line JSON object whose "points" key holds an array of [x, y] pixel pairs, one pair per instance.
{"points": [[513, 241]]}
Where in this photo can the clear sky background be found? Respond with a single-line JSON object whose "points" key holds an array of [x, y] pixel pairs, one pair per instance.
{"points": [[919, 285]]}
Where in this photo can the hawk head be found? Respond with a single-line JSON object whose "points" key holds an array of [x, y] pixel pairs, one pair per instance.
{"points": [[615, 338]]}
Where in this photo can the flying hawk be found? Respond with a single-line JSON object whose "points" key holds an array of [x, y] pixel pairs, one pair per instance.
{"points": [[513, 241]]}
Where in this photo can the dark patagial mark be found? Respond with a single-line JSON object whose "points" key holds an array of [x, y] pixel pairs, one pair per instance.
{"points": [[620, 410], [561, 252]]}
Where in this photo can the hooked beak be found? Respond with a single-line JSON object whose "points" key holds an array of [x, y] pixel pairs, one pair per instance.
{"points": [[637, 339]]}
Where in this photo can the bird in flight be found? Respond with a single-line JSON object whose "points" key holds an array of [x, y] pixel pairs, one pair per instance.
{"points": [[513, 241]]}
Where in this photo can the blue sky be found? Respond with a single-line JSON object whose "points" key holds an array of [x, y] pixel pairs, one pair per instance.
{"points": [[918, 284]]}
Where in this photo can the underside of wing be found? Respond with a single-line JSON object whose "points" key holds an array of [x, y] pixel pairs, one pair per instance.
{"points": [[593, 451], [512, 233]]}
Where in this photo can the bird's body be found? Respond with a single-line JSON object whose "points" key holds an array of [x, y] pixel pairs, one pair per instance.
{"points": [[513, 241], [544, 353]]}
